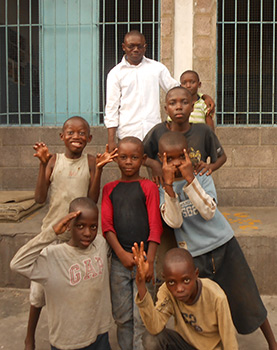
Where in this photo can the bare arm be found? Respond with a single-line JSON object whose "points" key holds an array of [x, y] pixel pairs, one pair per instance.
{"points": [[126, 258], [47, 162], [210, 104], [95, 176], [111, 138]]}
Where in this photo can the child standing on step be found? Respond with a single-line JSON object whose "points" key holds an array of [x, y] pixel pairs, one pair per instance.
{"points": [[64, 177]]}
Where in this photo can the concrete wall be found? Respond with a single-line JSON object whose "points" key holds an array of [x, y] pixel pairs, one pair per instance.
{"points": [[249, 177], [18, 166]]}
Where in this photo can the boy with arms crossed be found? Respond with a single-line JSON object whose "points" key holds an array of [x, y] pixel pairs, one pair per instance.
{"points": [[188, 204], [65, 177], [75, 277], [199, 307], [130, 213]]}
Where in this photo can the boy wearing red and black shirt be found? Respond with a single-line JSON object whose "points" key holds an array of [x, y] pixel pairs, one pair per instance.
{"points": [[130, 213]]}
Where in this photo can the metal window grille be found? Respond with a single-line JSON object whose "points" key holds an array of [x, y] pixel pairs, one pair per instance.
{"points": [[19, 63], [55, 55], [246, 62], [115, 21]]}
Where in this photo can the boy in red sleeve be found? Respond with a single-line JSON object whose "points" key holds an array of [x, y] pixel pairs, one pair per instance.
{"points": [[130, 213]]}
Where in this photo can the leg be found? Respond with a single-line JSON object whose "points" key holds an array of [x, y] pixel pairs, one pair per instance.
{"points": [[37, 302], [139, 328], [122, 303], [268, 334], [34, 314], [167, 339]]}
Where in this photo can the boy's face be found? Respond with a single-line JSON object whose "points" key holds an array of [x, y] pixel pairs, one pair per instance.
{"points": [[174, 155], [179, 105], [75, 136], [130, 159], [134, 47], [181, 280], [84, 228], [190, 82]]}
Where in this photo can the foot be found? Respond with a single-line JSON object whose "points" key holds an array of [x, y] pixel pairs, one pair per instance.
{"points": [[29, 344]]}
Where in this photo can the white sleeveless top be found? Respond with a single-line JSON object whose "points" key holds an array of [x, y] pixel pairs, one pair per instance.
{"points": [[70, 179]]}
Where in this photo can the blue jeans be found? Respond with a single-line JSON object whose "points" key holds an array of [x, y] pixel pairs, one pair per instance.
{"points": [[130, 327], [101, 343]]}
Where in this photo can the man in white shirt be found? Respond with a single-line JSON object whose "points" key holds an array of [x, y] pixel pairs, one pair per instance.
{"points": [[133, 91]]}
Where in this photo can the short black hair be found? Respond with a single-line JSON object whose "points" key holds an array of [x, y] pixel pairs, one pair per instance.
{"points": [[176, 255], [132, 139], [134, 32], [172, 138], [191, 72], [178, 88], [82, 202], [80, 118]]}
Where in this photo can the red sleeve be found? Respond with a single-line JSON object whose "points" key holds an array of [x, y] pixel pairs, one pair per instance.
{"points": [[153, 209], [107, 208]]}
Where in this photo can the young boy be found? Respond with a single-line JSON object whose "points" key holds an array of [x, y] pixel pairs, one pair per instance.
{"points": [[188, 204], [190, 80], [199, 306], [202, 142], [130, 213], [65, 176], [75, 278]]}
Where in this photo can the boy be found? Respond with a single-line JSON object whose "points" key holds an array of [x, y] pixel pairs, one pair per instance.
{"points": [[75, 277], [190, 80], [65, 176], [130, 213], [188, 204], [202, 142], [199, 307]]}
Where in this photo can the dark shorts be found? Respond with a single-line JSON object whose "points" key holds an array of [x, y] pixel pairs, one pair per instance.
{"points": [[101, 343], [228, 267]]}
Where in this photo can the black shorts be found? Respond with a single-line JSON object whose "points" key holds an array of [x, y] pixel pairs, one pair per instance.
{"points": [[228, 267]]}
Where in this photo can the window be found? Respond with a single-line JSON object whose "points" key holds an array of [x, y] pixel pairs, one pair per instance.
{"points": [[246, 62], [55, 55]]}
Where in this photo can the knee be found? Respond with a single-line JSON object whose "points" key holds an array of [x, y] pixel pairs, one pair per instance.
{"points": [[150, 341]]}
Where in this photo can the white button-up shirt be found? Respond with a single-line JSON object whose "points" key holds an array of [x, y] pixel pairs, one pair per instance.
{"points": [[133, 96]]}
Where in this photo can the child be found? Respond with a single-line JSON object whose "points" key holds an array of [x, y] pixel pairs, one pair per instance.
{"points": [[130, 213], [75, 278], [188, 204], [199, 307], [65, 176], [202, 142], [190, 80]]}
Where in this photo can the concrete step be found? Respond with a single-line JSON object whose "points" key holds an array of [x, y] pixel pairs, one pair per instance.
{"points": [[14, 306], [255, 229]]}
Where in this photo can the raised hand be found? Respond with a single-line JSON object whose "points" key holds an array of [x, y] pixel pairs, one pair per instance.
{"points": [[42, 152], [106, 157], [186, 168], [169, 170], [63, 224], [140, 261]]}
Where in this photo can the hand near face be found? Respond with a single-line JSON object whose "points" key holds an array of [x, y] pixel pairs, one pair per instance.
{"points": [[106, 157], [42, 152], [63, 224], [186, 168], [169, 170]]}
